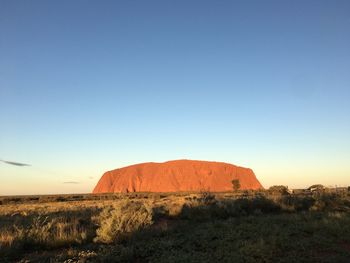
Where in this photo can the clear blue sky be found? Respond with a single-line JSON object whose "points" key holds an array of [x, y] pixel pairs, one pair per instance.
{"points": [[89, 86]]}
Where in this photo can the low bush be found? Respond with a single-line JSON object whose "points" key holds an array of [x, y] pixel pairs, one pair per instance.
{"points": [[116, 223], [295, 203], [206, 198], [327, 202], [278, 190], [196, 210]]}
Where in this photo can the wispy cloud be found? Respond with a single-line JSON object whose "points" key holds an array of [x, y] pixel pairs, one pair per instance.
{"points": [[15, 163], [71, 182]]}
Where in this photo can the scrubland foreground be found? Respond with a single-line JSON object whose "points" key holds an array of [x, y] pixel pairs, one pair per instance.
{"points": [[203, 227]]}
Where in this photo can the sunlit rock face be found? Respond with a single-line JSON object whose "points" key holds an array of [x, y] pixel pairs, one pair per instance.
{"points": [[176, 176]]}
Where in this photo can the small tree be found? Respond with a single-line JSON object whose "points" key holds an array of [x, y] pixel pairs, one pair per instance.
{"points": [[236, 185]]}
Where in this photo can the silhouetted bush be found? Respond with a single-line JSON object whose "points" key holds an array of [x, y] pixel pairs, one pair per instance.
{"points": [[194, 210], [318, 188], [278, 190], [328, 202], [296, 203], [228, 208]]}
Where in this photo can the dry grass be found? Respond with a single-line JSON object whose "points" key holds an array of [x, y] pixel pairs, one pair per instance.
{"points": [[45, 208], [25, 227], [57, 224], [45, 231], [8, 237]]}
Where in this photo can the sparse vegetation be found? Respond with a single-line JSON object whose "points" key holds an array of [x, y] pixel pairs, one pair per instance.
{"points": [[245, 227], [119, 221]]}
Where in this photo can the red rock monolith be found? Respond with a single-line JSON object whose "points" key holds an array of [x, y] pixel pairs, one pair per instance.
{"points": [[177, 176]]}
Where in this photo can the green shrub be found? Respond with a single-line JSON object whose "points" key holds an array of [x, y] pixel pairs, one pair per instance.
{"points": [[116, 223]]}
